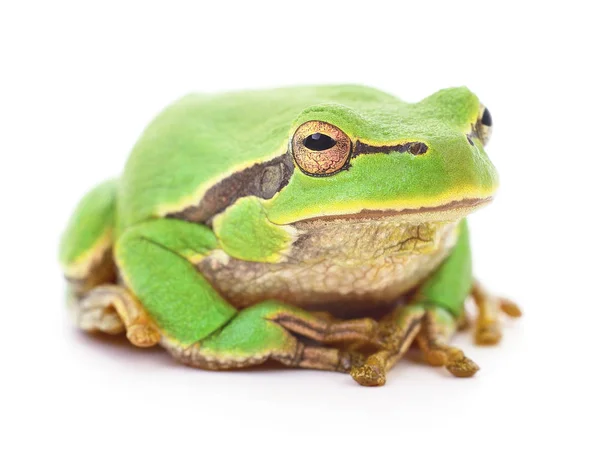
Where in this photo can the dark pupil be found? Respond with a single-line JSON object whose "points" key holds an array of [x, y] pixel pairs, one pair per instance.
{"points": [[319, 142], [486, 119]]}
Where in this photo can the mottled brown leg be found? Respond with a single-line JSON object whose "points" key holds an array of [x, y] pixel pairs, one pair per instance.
{"points": [[437, 328], [113, 309], [327, 330], [487, 328], [319, 358], [397, 332]]}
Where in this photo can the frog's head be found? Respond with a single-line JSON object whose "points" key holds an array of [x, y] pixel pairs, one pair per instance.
{"points": [[369, 159]]}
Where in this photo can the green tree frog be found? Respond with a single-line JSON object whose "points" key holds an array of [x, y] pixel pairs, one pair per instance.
{"points": [[321, 227]]}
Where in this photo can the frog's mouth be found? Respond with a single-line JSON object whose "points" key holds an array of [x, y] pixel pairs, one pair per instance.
{"points": [[450, 211]]}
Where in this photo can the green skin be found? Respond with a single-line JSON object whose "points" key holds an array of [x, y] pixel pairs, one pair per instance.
{"points": [[202, 139]]}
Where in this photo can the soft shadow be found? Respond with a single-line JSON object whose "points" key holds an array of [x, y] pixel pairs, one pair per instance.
{"points": [[118, 348]]}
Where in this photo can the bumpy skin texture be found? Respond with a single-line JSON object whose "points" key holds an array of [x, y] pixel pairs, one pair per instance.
{"points": [[213, 185]]}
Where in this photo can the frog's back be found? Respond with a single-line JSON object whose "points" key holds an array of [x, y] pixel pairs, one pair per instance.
{"points": [[202, 138]]}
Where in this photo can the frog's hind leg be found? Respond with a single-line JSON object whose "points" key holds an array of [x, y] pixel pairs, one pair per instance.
{"points": [[200, 328], [265, 332], [86, 255], [86, 246], [113, 309], [87, 296]]}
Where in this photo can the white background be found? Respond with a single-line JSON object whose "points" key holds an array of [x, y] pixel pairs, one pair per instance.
{"points": [[78, 84]]}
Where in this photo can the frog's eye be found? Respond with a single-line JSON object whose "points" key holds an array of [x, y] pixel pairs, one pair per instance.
{"points": [[320, 149], [484, 125]]}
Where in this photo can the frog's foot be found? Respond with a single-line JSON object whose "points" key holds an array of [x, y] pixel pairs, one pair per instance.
{"points": [[112, 309], [95, 312], [488, 327], [431, 328], [268, 331], [396, 334], [437, 328]]}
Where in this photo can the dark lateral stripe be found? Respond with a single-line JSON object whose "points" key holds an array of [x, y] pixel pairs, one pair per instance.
{"points": [[263, 180], [414, 148]]}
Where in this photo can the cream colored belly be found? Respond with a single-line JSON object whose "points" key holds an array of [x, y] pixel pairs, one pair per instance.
{"points": [[351, 265]]}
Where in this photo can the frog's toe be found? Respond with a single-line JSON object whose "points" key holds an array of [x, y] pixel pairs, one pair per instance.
{"points": [[143, 335], [113, 309], [437, 328], [96, 313], [371, 373], [488, 335], [510, 308], [396, 333], [462, 367], [488, 329], [350, 360]]}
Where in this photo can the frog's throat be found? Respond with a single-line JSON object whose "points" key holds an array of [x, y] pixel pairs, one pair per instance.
{"points": [[453, 210]]}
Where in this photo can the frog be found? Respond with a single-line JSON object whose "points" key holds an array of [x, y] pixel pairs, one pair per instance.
{"points": [[320, 227]]}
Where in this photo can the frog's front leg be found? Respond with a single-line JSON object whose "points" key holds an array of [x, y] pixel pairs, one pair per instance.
{"points": [[202, 329], [432, 317], [431, 327]]}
